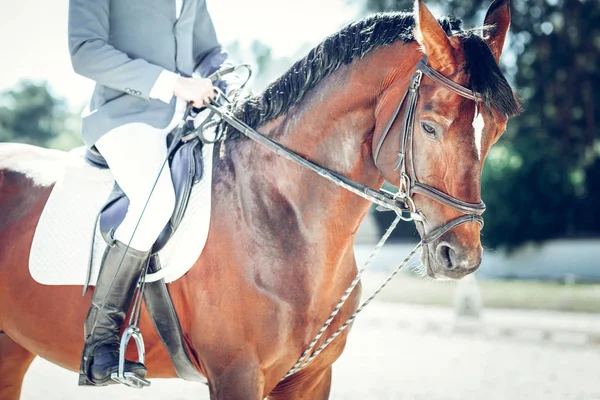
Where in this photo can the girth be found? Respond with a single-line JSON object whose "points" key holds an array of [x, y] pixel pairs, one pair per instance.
{"points": [[409, 183]]}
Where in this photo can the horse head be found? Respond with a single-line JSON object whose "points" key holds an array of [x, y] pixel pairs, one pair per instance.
{"points": [[435, 154]]}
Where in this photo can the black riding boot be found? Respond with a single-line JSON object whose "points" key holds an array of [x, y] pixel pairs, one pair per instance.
{"points": [[109, 307]]}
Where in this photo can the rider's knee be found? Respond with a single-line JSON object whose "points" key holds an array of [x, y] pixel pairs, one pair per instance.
{"points": [[162, 203]]}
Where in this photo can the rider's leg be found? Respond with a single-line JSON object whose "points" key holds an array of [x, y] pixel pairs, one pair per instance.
{"points": [[135, 154]]}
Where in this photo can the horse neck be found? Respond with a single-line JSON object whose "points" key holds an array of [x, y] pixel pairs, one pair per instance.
{"points": [[333, 126], [298, 215]]}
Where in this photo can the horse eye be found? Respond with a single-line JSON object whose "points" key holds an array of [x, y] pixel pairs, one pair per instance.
{"points": [[428, 129]]}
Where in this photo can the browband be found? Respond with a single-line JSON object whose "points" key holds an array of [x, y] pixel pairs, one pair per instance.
{"points": [[448, 83]]}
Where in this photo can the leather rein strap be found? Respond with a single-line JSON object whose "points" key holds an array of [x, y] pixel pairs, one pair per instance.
{"points": [[381, 197], [400, 202]]}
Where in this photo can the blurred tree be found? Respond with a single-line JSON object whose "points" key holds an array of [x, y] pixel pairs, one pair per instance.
{"points": [[542, 180], [260, 58], [31, 114], [263, 54]]}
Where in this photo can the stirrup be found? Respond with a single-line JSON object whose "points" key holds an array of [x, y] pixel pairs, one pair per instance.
{"points": [[130, 378]]}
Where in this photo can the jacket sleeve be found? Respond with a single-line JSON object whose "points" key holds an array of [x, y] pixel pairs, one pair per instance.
{"points": [[94, 58], [209, 55]]}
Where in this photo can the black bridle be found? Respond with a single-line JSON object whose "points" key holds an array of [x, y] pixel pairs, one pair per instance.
{"points": [[409, 183], [400, 202]]}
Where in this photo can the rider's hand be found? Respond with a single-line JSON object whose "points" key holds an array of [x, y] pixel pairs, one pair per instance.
{"points": [[196, 90]]}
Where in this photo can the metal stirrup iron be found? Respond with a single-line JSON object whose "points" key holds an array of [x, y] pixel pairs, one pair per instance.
{"points": [[129, 378], [132, 331]]}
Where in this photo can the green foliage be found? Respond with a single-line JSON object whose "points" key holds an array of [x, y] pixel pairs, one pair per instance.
{"points": [[31, 114], [262, 53], [542, 180]]}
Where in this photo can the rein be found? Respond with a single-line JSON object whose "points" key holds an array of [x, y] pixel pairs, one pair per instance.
{"points": [[380, 197], [401, 202]]}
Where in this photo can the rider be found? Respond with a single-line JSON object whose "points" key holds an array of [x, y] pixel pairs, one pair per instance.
{"points": [[142, 55]]}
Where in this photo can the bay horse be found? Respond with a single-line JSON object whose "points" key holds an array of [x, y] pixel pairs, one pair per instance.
{"points": [[279, 253]]}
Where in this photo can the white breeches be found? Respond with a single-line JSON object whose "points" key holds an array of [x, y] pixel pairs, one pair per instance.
{"points": [[135, 154]]}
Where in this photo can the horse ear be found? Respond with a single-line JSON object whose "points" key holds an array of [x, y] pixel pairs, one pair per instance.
{"points": [[432, 38], [497, 21]]}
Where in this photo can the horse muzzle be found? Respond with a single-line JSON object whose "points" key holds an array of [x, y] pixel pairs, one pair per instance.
{"points": [[455, 254]]}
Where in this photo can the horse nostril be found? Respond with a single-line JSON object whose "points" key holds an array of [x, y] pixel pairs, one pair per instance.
{"points": [[452, 258], [447, 256]]}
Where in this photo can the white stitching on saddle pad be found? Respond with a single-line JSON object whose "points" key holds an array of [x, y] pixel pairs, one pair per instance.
{"points": [[61, 244]]}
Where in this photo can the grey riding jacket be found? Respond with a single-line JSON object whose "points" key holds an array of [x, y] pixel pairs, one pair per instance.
{"points": [[124, 45]]}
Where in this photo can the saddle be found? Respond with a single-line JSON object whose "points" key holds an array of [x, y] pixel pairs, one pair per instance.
{"points": [[185, 161], [185, 145]]}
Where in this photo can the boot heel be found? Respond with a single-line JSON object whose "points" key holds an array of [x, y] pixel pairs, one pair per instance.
{"points": [[84, 381]]}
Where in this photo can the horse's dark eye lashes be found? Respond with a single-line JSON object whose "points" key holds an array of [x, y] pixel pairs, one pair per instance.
{"points": [[428, 128]]}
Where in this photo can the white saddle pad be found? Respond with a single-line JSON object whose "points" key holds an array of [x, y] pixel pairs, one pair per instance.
{"points": [[60, 252]]}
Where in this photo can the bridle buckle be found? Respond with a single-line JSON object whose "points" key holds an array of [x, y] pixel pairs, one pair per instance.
{"points": [[404, 186], [403, 194], [399, 161], [416, 81]]}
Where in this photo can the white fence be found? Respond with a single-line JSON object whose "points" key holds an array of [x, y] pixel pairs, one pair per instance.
{"points": [[558, 260]]}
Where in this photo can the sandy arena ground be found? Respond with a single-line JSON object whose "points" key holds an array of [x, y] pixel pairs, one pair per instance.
{"points": [[402, 352]]}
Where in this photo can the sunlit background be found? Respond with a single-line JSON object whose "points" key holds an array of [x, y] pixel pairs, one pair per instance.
{"points": [[527, 326]]}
